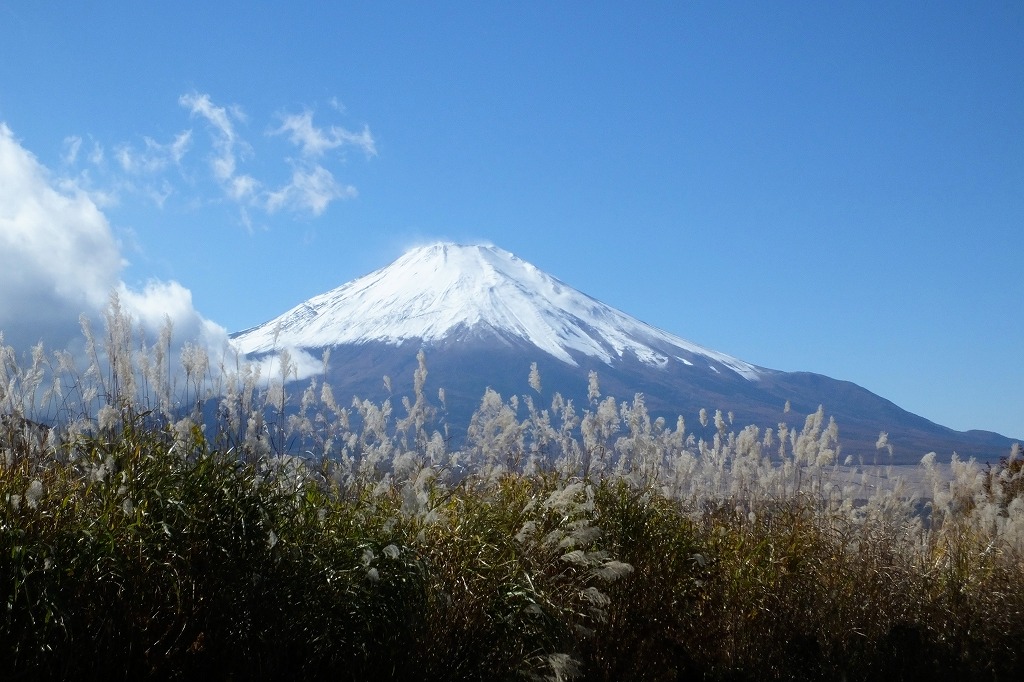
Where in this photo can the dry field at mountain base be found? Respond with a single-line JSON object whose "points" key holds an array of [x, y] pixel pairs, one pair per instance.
{"points": [[143, 540]]}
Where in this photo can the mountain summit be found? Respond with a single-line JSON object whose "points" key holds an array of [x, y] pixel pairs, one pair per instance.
{"points": [[483, 316], [444, 291]]}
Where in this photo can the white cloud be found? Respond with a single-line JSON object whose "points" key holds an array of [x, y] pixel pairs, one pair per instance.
{"points": [[96, 156], [313, 141], [164, 171], [242, 188], [72, 144], [218, 117], [226, 143], [74, 151], [60, 259], [154, 157], [160, 301], [310, 189], [302, 364]]}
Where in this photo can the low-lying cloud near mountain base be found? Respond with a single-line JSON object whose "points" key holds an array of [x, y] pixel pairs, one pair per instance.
{"points": [[62, 260]]}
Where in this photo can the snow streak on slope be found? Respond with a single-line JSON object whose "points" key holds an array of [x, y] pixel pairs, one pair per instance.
{"points": [[440, 291]]}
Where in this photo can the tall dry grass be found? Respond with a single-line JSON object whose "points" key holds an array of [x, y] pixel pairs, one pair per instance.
{"points": [[163, 525]]}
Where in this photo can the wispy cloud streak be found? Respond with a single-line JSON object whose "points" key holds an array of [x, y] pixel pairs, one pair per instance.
{"points": [[159, 170], [310, 189], [313, 142], [226, 143]]}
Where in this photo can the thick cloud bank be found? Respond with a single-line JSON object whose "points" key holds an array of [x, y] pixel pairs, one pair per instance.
{"points": [[59, 259]]}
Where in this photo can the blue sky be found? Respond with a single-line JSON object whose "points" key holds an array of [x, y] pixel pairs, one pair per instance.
{"points": [[831, 187]]}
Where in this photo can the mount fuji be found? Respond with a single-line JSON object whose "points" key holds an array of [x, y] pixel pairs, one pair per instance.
{"points": [[482, 316]]}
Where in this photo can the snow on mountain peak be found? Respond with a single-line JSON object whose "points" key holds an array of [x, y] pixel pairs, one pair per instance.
{"points": [[435, 291]]}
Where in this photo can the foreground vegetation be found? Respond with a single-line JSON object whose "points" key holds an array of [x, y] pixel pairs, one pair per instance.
{"points": [[137, 543]]}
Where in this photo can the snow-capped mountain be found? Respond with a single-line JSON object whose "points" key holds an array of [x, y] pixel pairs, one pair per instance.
{"points": [[441, 291], [483, 316]]}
